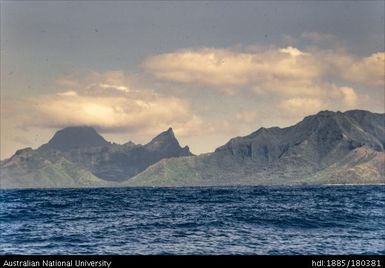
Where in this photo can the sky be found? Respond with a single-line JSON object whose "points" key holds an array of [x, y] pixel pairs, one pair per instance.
{"points": [[210, 70]]}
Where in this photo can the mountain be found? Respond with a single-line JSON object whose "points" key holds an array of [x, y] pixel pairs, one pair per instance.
{"points": [[325, 148], [29, 168], [121, 162], [80, 157], [71, 138], [166, 143], [329, 147]]}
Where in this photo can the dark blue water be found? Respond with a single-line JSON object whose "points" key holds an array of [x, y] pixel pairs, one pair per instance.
{"points": [[232, 220]]}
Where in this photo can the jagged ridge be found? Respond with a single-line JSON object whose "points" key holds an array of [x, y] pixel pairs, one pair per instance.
{"points": [[323, 148], [80, 157]]}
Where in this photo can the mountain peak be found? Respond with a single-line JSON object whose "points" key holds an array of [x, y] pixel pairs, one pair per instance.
{"points": [[24, 151], [165, 138], [70, 138], [328, 113], [169, 131], [166, 142]]}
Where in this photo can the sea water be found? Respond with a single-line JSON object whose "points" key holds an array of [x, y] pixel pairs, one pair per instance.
{"points": [[201, 220]]}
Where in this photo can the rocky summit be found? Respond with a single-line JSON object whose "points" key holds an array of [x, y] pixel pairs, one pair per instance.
{"points": [[71, 138]]}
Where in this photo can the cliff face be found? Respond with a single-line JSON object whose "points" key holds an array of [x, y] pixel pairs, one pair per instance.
{"points": [[329, 147]]}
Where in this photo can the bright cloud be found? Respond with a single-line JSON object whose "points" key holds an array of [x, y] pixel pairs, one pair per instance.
{"points": [[349, 96], [297, 82], [338, 98], [118, 109], [67, 93], [117, 87], [304, 106], [264, 69], [368, 70], [292, 51], [224, 67]]}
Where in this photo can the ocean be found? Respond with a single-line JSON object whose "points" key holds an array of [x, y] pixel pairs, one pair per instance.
{"points": [[268, 220]]}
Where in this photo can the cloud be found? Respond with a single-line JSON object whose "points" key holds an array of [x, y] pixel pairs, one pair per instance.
{"points": [[106, 101], [225, 67], [349, 96], [338, 98], [368, 70], [116, 87], [292, 51], [296, 81], [263, 68], [302, 106], [246, 116], [68, 93]]}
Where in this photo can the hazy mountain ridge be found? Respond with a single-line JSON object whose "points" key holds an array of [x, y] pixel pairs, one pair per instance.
{"points": [[86, 160], [329, 147], [29, 168], [119, 162]]}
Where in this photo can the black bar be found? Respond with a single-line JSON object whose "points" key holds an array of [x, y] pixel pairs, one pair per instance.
{"points": [[117, 261]]}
